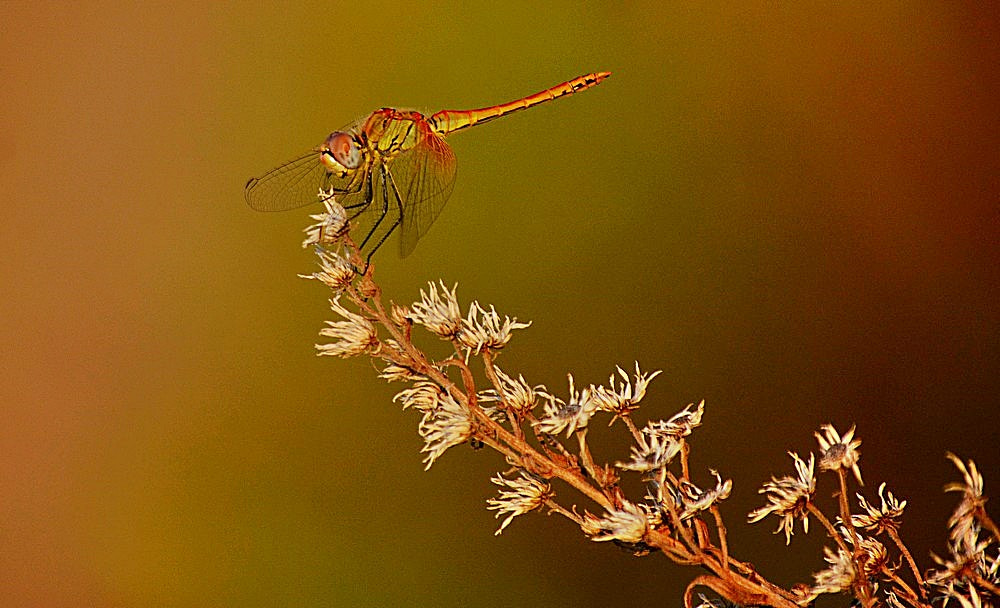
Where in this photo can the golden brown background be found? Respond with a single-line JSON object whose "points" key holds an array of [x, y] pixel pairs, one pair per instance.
{"points": [[792, 210]]}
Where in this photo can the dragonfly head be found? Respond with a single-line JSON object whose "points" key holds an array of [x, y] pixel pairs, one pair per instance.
{"points": [[341, 153]]}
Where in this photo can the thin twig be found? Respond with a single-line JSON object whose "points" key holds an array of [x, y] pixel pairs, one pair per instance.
{"points": [[721, 528], [894, 535]]}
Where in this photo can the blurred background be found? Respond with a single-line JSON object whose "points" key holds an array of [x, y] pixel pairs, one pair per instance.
{"points": [[792, 210]]}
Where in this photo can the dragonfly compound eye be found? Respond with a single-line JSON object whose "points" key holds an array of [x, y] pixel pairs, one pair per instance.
{"points": [[343, 148]]}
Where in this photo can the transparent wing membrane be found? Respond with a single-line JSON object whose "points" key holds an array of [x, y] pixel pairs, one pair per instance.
{"points": [[425, 178], [410, 191], [296, 183], [289, 186]]}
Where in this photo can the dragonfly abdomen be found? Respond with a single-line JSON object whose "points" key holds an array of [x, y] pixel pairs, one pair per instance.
{"points": [[449, 121]]}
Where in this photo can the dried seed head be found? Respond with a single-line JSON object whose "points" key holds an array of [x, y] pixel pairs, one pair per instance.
{"points": [[482, 329], [628, 524], [330, 226], [696, 500], [963, 519], [624, 396], [967, 561], [680, 425], [525, 494], [397, 373], [879, 519], [837, 577], [438, 311], [838, 452], [789, 498], [874, 557], [423, 396], [657, 452], [401, 315], [566, 416], [446, 425], [514, 395], [336, 271], [354, 336]]}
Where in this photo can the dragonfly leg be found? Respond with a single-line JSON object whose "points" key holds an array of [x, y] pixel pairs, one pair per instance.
{"points": [[355, 210], [381, 216], [390, 185]]}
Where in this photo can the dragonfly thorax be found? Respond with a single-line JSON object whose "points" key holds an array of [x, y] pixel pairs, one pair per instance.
{"points": [[393, 132]]}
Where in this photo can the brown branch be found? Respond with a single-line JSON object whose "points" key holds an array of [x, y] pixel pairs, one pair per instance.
{"points": [[636, 434], [863, 588], [721, 528], [830, 530], [894, 535]]}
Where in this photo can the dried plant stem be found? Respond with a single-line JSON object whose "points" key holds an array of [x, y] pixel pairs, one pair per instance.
{"points": [[738, 590], [747, 588], [636, 434], [519, 452], [845, 509], [863, 587], [467, 380], [671, 518], [909, 595], [533, 461], [491, 375], [685, 532], [723, 542], [830, 530], [685, 452], [491, 372], [586, 458], [894, 535], [671, 547], [555, 507], [702, 535], [753, 576]]}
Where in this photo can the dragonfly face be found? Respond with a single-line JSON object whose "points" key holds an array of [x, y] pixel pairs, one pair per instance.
{"points": [[342, 153]]}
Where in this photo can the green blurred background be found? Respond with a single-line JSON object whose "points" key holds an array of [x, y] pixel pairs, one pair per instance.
{"points": [[792, 210]]}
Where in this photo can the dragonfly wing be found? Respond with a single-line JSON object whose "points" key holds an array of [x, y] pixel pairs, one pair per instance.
{"points": [[425, 178], [296, 183], [289, 186]]}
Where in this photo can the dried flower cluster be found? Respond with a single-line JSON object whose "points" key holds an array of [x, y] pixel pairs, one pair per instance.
{"points": [[542, 436]]}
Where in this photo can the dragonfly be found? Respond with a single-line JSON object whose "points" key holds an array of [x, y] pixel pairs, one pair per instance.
{"points": [[390, 170]]}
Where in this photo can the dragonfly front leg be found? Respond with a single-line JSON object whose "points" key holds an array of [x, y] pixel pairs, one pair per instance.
{"points": [[338, 196], [357, 201], [359, 207]]}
